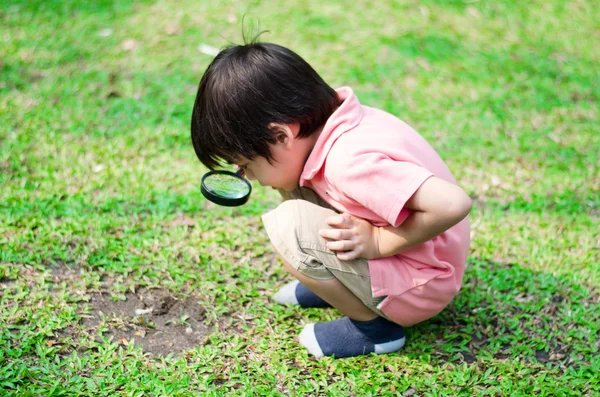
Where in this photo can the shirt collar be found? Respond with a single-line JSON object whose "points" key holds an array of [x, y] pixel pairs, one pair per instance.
{"points": [[345, 117]]}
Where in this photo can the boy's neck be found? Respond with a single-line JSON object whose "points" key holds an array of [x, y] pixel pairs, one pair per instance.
{"points": [[312, 141]]}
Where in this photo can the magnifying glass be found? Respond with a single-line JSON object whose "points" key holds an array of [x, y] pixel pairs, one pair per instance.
{"points": [[226, 188]]}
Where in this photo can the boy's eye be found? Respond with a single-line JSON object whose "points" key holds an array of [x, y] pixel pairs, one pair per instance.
{"points": [[243, 167]]}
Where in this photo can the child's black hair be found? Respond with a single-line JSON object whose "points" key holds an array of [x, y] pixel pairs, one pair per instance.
{"points": [[247, 87]]}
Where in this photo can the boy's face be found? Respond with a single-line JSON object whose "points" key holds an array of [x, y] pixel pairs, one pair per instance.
{"points": [[289, 155]]}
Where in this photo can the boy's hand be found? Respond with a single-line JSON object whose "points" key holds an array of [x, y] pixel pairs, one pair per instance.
{"points": [[351, 237]]}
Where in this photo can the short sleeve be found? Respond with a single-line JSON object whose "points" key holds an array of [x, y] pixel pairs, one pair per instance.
{"points": [[381, 184]]}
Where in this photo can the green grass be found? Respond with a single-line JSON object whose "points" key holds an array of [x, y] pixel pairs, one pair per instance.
{"points": [[100, 194]]}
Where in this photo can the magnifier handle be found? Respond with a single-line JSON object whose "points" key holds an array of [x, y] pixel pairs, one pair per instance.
{"points": [[240, 172]]}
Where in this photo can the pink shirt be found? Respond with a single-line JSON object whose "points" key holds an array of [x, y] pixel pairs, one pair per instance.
{"points": [[369, 163]]}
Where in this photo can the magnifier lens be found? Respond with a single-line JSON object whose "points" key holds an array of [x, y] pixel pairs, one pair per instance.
{"points": [[226, 186]]}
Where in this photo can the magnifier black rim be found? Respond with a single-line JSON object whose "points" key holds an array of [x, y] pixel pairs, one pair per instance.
{"points": [[227, 202]]}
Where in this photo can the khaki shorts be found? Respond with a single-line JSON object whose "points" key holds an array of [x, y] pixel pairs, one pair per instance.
{"points": [[293, 229]]}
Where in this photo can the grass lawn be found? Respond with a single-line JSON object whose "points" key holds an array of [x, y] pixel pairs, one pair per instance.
{"points": [[102, 219]]}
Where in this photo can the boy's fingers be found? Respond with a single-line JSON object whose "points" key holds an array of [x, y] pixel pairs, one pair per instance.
{"points": [[347, 256], [335, 220], [335, 234], [342, 245], [342, 220]]}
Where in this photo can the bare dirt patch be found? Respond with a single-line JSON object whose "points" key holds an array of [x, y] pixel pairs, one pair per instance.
{"points": [[154, 319]]}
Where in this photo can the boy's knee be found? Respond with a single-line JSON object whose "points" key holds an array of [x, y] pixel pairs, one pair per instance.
{"points": [[288, 207], [289, 231], [282, 219], [295, 207], [286, 218], [282, 227]]}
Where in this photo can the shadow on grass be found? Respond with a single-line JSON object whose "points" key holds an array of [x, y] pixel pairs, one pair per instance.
{"points": [[508, 312]]}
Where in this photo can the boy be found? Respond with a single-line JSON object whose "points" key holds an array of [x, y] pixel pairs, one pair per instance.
{"points": [[375, 226]]}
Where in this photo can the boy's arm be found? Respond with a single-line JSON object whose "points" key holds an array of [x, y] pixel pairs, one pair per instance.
{"points": [[437, 206]]}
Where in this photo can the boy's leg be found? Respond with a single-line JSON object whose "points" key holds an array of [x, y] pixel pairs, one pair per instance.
{"points": [[335, 293], [360, 332], [293, 229], [295, 292]]}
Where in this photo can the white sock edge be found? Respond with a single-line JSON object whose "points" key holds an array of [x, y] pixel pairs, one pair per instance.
{"points": [[391, 346], [287, 294], [308, 339]]}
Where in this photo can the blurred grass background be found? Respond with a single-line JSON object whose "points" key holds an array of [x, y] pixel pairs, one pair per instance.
{"points": [[98, 176]]}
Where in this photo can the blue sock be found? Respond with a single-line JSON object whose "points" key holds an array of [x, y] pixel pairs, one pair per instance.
{"points": [[349, 338], [307, 298], [295, 293]]}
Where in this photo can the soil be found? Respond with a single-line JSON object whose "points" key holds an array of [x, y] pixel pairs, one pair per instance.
{"points": [[155, 320], [151, 318]]}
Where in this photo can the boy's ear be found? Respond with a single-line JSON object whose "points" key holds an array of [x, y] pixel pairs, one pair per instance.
{"points": [[284, 133]]}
